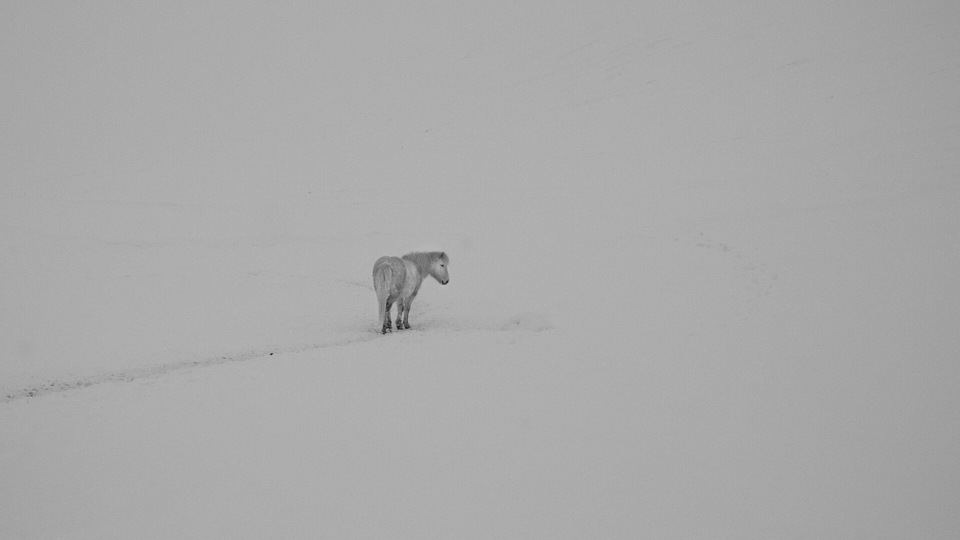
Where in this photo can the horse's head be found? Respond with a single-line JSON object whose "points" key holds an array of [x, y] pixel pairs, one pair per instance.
{"points": [[438, 269]]}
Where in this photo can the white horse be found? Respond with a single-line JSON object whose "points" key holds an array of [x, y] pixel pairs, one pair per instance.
{"points": [[398, 279]]}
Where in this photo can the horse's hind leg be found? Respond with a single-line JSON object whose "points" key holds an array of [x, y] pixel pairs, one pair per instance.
{"points": [[386, 318], [400, 304]]}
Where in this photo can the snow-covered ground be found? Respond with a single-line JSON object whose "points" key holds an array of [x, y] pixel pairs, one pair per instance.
{"points": [[704, 270]]}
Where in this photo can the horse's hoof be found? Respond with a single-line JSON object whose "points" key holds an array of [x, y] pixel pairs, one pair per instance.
{"points": [[406, 326]]}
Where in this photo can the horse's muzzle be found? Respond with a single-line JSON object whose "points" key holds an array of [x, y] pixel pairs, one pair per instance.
{"points": [[445, 282]]}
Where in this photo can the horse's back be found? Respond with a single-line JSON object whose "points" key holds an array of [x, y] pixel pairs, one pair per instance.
{"points": [[381, 262], [393, 263]]}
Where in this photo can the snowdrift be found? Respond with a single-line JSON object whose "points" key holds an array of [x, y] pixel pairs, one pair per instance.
{"points": [[703, 270]]}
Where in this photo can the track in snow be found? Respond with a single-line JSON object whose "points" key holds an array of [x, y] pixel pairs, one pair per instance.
{"points": [[528, 321], [128, 375]]}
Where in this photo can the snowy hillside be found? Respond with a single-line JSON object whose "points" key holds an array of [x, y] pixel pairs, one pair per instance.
{"points": [[703, 270]]}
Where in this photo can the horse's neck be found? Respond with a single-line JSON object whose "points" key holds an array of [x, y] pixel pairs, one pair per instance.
{"points": [[421, 262]]}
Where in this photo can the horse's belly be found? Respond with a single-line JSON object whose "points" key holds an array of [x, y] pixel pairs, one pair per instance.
{"points": [[412, 279]]}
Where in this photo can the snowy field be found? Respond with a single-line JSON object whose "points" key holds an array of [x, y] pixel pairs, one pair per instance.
{"points": [[704, 270]]}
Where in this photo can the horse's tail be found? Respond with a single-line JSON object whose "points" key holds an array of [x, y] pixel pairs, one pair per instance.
{"points": [[382, 278]]}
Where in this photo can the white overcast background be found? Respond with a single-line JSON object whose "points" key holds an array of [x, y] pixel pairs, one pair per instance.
{"points": [[704, 265]]}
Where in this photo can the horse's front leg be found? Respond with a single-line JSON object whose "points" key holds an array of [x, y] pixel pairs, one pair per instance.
{"points": [[406, 313], [400, 304]]}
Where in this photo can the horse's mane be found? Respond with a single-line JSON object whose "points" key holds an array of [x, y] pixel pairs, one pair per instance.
{"points": [[423, 259]]}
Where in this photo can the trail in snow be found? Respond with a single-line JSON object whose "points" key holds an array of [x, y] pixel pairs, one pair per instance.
{"points": [[128, 375], [527, 321]]}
